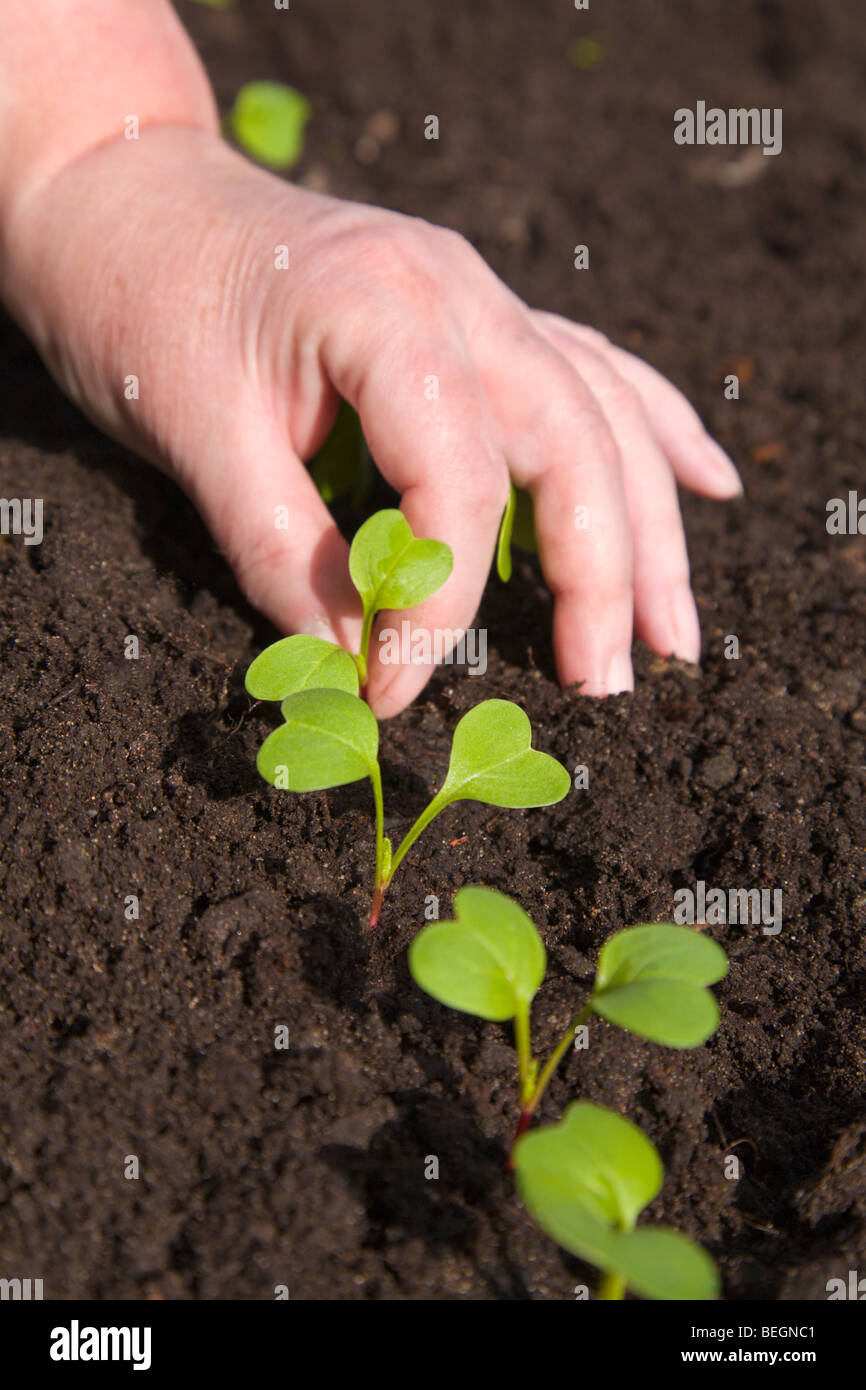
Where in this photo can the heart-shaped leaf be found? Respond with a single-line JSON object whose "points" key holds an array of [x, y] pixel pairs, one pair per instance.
{"points": [[390, 568], [660, 1263], [268, 121], [329, 738], [488, 962], [492, 760], [301, 663], [652, 980], [586, 1180]]}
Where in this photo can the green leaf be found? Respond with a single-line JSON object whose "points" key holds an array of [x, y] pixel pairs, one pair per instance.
{"points": [[342, 465], [664, 1264], [651, 980], [585, 1182], [329, 738], [524, 521], [592, 1159], [488, 962], [492, 761], [506, 529], [300, 663], [268, 121], [390, 568], [517, 527]]}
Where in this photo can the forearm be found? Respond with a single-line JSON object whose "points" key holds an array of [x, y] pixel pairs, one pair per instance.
{"points": [[73, 71]]}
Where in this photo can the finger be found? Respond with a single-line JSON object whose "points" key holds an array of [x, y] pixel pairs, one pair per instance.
{"points": [[665, 613], [267, 518], [699, 463], [560, 447], [426, 420]]}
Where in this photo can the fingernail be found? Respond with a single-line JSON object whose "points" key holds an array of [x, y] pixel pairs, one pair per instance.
{"points": [[686, 625], [317, 626], [723, 467], [620, 675]]}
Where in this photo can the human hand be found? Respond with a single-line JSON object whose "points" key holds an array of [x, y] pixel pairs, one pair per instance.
{"points": [[159, 259]]}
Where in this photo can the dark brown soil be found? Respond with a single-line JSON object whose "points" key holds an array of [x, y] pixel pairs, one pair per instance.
{"points": [[155, 1037]]}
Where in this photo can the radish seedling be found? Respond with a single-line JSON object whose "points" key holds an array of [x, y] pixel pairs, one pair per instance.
{"points": [[517, 526], [650, 980], [343, 464], [330, 737], [585, 1181], [391, 568], [268, 121]]}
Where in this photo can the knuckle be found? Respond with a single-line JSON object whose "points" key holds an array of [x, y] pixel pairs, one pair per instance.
{"points": [[570, 413], [621, 399]]}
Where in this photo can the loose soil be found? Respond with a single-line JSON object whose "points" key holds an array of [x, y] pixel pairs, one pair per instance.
{"points": [[154, 1036]]}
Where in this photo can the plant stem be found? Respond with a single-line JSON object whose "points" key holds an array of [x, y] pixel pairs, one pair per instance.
{"points": [[409, 839], [531, 1104], [524, 1052], [612, 1286], [361, 658], [380, 884]]}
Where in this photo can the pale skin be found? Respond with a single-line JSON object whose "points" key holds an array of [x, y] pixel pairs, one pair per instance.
{"points": [[155, 258]]}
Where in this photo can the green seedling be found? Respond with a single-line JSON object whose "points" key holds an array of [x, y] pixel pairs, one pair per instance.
{"points": [[585, 1181], [651, 980], [268, 120], [343, 466], [516, 527], [391, 568], [330, 738]]}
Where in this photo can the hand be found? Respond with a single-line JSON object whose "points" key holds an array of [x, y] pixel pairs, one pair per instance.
{"points": [[158, 259]]}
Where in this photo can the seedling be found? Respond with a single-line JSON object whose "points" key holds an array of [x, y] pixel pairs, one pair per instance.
{"points": [[343, 463], [268, 120], [585, 1181], [330, 738], [517, 527], [650, 980], [391, 568]]}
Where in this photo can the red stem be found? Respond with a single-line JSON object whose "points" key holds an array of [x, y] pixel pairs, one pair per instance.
{"points": [[376, 906], [522, 1126]]}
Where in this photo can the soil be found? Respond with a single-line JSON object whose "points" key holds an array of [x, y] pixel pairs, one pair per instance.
{"points": [[155, 1037]]}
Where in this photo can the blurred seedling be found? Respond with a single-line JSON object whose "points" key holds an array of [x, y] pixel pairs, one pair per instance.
{"points": [[586, 1179], [343, 465], [268, 121], [517, 527]]}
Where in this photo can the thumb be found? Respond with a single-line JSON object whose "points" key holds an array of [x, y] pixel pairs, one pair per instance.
{"points": [[262, 508]]}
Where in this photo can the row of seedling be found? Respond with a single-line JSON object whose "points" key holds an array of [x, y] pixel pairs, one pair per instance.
{"points": [[586, 1179]]}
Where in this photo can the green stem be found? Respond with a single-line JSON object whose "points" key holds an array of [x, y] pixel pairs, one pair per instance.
{"points": [[380, 884], [612, 1286], [409, 839], [363, 654], [524, 1053], [529, 1104], [557, 1055]]}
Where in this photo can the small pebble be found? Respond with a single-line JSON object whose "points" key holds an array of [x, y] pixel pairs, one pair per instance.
{"points": [[718, 771]]}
